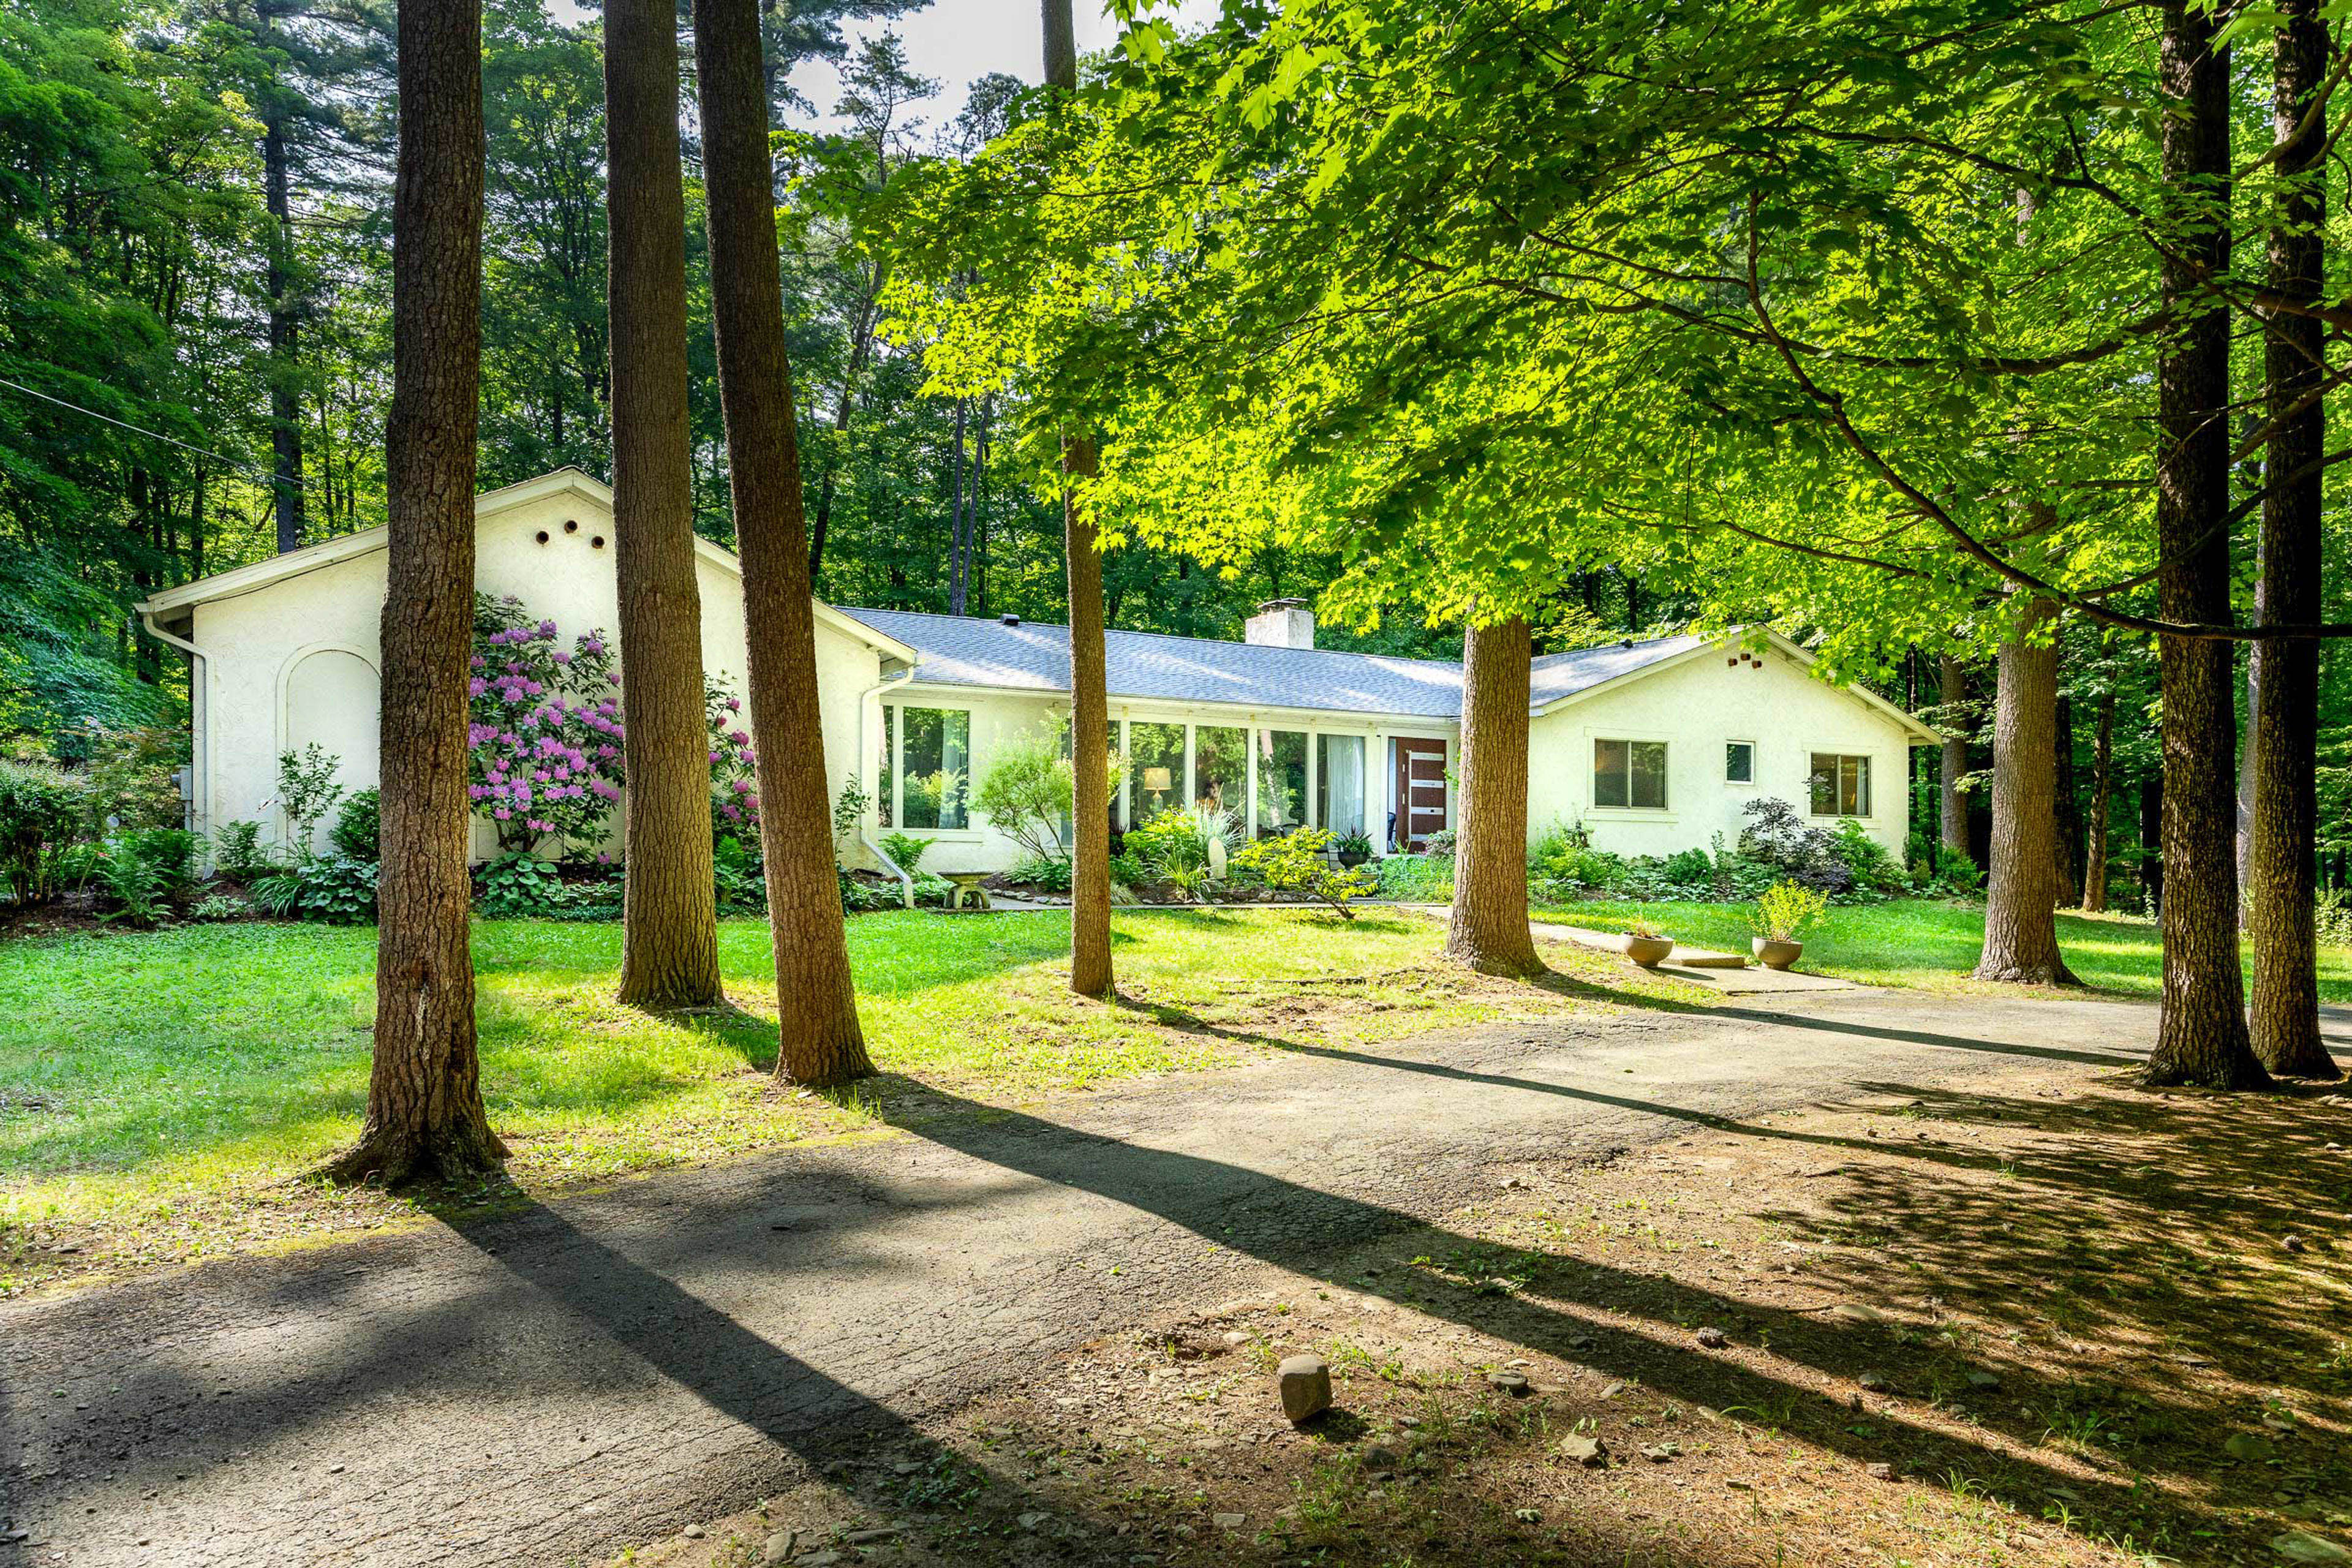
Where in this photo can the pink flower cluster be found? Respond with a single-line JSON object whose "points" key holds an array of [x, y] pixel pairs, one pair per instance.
{"points": [[734, 781], [545, 733]]}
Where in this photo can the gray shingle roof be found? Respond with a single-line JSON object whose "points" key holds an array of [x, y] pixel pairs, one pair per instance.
{"points": [[1035, 656]]}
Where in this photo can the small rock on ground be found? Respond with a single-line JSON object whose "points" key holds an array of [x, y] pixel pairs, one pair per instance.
{"points": [[1882, 1472], [1589, 1452], [1511, 1383], [1305, 1386], [1713, 1338]]}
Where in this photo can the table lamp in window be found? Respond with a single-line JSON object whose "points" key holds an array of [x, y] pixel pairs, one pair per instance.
{"points": [[1156, 781]]}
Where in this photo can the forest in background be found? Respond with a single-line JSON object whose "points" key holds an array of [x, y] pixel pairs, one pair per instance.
{"points": [[195, 365]]}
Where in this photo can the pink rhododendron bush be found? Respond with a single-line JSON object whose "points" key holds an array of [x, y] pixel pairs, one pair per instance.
{"points": [[545, 728]]}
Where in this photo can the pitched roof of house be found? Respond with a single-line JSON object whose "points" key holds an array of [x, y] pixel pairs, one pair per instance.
{"points": [[956, 650]]}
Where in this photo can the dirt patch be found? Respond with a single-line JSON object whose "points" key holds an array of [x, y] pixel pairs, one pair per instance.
{"points": [[2049, 1319]]}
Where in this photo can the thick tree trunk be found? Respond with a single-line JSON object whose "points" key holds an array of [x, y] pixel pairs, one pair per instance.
{"points": [[2020, 945], [425, 1115], [2201, 1029], [669, 955], [816, 1003], [1090, 972], [1952, 688], [2151, 840], [285, 367], [1488, 928], [2282, 881], [2103, 784]]}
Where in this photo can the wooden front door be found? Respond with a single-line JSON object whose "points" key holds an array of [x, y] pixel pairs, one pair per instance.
{"points": [[1418, 788]]}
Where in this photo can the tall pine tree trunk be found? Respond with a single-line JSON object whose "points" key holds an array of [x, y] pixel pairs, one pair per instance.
{"points": [[2201, 1029], [2282, 881], [2103, 784], [1488, 928], [669, 955], [816, 1002], [285, 366], [2067, 837], [425, 1115], [1952, 690], [2021, 942]]}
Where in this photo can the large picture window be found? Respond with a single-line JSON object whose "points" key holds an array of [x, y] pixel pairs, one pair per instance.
{"points": [[1220, 762], [1631, 774], [934, 765], [1155, 776], [1841, 784], [1281, 781], [1339, 782]]}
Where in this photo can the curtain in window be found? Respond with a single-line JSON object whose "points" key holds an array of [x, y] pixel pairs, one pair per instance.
{"points": [[1339, 782]]}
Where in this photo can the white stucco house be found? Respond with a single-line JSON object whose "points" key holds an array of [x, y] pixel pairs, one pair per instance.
{"points": [[1653, 745]]}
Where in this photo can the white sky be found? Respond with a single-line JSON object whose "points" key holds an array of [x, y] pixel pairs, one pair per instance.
{"points": [[959, 41]]}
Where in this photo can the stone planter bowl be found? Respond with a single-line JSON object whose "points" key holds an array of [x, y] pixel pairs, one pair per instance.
{"points": [[1774, 953], [1649, 951]]}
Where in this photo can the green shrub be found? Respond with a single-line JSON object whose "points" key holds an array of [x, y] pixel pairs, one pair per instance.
{"points": [[1688, 868], [1051, 874], [858, 896], [522, 887], [1300, 862], [2333, 918], [133, 888], [906, 850], [307, 791], [1028, 790], [1178, 840], [1793, 849], [1866, 859], [741, 880], [237, 853], [218, 907], [1562, 863], [336, 889], [358, 833], [130, 775], [1128, 869], [1416, 878], [41, 807], [1444, 842], [276, 895], [169, 853]]}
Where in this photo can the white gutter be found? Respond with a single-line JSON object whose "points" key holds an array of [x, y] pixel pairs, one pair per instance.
{"points": [[865, 824], [200, 751]]}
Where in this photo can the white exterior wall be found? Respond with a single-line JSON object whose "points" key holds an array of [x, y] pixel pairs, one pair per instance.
{"points": [[297, 661], [1697, 707]]}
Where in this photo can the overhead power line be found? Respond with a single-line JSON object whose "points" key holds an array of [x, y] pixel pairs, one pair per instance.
{"points": [[249, 467]]}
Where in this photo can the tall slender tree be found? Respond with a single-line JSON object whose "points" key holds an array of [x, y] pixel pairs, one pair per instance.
{"points": [[816, 1003], [1489, 927], [1091, 969], [1951, 691], [2020, 942], [2282, 876], [2201, 1029], [669, 955], [424, 1116]]}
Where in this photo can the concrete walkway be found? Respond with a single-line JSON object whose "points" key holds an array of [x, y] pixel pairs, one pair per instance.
{"points": [[604, 1369]]}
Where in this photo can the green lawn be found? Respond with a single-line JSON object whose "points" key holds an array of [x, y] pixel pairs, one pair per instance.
{"points": [[161, 1088], [1918, 942]]}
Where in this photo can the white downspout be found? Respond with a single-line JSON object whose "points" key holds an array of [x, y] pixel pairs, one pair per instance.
{"points": [[865, 824], [200, 758]]}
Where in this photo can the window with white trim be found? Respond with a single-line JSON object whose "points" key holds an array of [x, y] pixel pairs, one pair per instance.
{"points": [[1841, 784], [934, 767], [1629, 774], [1740, 761]]}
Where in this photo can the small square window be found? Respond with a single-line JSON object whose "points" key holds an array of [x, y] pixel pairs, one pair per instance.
{"points": [[1740, 761]]}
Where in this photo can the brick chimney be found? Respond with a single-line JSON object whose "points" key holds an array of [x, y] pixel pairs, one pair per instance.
{"points": [[1281, 623]]}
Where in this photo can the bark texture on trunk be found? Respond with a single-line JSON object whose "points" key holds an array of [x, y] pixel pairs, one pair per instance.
{"points": [[2021, 942], [1488, 928], [1952, 688], [285, 363], [1090, 972], [670, 954], [2201, 1030], [424, 1116], [820, 1042], [2282, 879], [2103, 789]]}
